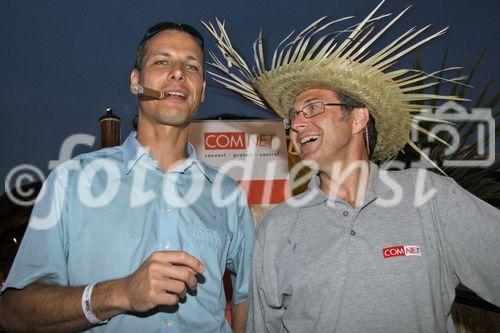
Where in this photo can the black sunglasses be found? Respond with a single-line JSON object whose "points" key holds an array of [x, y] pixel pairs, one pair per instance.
{"points": [[159, 27]]}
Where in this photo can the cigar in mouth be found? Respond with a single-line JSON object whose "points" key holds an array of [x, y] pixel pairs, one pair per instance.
{"points": [[137, 89]]}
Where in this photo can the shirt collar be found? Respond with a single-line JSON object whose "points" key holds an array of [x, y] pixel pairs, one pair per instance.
{"points": [[375, 188], [190, 160], [133, 152]]}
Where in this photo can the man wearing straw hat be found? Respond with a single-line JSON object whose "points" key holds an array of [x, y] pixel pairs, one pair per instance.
{"points": [[362, 250]]}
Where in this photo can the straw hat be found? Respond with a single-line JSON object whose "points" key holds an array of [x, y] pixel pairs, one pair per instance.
{"points": [[317, 59]]}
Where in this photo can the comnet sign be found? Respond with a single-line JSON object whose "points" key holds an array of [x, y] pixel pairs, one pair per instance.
{"points": [[253, 152], [224, 140], [270, 141]]}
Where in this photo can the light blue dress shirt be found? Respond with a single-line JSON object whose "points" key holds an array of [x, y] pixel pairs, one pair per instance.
{"points": [[102, 214]]}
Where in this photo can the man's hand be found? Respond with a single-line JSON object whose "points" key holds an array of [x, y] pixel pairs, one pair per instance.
{"points": [[163, 279]]}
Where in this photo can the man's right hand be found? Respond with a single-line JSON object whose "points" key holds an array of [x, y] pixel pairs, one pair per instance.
{"points": [[163, 279]]}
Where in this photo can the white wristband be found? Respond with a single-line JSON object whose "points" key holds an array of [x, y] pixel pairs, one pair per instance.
{"points": [[87, 310]]}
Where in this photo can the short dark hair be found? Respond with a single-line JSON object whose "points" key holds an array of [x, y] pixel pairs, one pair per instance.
{"points": [[163, 26], [350, 104]]}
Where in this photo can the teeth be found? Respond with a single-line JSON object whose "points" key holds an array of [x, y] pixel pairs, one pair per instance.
{"points": [[176, 94], [308, 138]]}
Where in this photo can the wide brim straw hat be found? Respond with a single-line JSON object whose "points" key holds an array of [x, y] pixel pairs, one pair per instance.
{"points": [[340, 61]]}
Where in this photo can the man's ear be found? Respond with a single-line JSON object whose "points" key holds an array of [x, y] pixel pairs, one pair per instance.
{"points": [[361, 117], [134, 76]]}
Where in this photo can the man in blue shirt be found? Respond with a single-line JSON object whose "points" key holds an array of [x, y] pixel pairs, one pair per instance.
{"points": [[137, 237]]}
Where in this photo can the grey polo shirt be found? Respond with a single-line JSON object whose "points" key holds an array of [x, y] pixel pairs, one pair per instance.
{"points": [[389, 265]]}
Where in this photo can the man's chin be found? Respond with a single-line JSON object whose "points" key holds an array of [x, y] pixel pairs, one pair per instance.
{"points": [[177, 123], [310, 161], [309, 157], [176, 120]]}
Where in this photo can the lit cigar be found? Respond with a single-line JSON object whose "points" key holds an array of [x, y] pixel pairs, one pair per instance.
{"points": [[137, 89]]}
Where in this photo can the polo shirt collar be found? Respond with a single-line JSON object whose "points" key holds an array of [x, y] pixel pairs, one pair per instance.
{"points": [[375, 188]]}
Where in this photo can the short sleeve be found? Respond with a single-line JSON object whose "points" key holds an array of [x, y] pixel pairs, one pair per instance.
{"points": [[41, 257], [471, 238], [240, 249]]}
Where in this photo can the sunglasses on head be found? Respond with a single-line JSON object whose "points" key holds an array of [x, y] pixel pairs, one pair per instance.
{"points": [[162, 26]]}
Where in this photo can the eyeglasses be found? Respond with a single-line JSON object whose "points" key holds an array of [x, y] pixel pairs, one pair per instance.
{"points": [[177, 26], [310, 110]]}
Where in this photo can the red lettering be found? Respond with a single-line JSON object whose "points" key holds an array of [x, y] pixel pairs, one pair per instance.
{"points": [[224, 140], [393, 251]]}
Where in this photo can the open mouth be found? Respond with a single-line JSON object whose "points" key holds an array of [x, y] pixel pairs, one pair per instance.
{"points": [[175, 95], [308, 139]]}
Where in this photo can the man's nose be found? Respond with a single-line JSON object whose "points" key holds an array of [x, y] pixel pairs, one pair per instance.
{"points": [[177, 73], [299, 122]]}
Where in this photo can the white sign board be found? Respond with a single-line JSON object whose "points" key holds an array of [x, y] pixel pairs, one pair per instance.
{"points": [[253, 152]]}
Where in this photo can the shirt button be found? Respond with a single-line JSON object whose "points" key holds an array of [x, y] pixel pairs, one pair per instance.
{"points": [[168, 210], [353, 232], [168, 246], [345, 213], [169, 323]]}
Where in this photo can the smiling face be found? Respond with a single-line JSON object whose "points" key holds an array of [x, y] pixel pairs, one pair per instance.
{"points": [[173, 64], [325, 138]]}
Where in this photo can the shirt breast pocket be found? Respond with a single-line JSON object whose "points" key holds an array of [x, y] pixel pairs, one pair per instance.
{"points": [[203, 235], [208, 245]]}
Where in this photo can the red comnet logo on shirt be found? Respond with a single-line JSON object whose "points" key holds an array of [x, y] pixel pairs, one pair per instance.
{"points": [[401, 251]]}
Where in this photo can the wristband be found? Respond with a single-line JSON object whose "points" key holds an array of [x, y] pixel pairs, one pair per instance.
{"points": [[87, 311]]}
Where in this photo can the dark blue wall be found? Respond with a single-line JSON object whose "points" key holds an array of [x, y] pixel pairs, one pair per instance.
{"points": [[63, 62]]}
